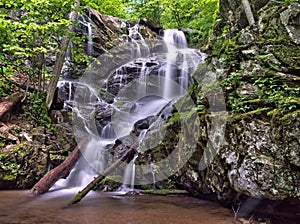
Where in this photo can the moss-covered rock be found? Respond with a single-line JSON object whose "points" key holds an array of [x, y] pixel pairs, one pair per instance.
{"points": [[23, 164], [258, 73]]}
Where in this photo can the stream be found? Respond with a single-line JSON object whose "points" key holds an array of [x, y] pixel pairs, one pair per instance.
{"points": [[108, 208]]}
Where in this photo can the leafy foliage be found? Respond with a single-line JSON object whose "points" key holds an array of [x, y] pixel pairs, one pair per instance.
{"points": [[198, 15], [29, 31], [38, 110], [119, 8]]}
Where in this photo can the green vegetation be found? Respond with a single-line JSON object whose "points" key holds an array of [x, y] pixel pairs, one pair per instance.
{"points": [[165, 192], [30, 29], [38, 110], [118, 8], [197, 15], [269, 90], [8, 167]]}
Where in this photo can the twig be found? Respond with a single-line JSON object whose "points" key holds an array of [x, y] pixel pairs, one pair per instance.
{"points": [[235, 212]]}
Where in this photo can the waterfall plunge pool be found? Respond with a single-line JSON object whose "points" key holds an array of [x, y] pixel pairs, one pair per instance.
{"points": [[108, 208]]}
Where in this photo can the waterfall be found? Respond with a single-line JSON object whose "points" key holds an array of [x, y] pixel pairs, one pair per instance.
{"points": [[141, 48], [90, 39], [143, 89], [66, 92], [175, 39], [129, 176], [152, 165], [143, 79], [180, 64], [108, 132]]}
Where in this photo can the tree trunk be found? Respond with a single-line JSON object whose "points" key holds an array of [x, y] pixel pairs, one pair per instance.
{"points": [[248, 12], [77, 198], [60, 58], [61, 171]]}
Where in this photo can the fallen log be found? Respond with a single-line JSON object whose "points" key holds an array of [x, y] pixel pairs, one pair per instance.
{"points": [[61, 171], [8, 105], [81, 194]]}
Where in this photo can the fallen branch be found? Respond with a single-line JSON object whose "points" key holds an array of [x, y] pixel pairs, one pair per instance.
{"points": [[248, 11], [61, 171], [77, 198]]}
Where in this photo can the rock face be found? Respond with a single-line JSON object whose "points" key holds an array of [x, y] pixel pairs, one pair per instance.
{"points": [[22, 165], [233, 18], [102, 33], [251, 148]]}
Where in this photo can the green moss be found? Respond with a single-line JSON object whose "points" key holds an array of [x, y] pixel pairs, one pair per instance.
{"points": [[9, 166], [115, 178], [165, 191], [290, 116], [174, 119], [258, 111]]}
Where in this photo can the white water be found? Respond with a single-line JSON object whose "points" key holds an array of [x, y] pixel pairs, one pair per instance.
{"points": [[141, 49], [66, 89], [175, 39], [90, 40], [108, 132], [142, 80], [180, 63], [129, 176]]}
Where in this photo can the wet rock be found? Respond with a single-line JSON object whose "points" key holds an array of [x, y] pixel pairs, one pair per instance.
{"points": [[104, 111], [151, 24], [132, 71], [143, 124]]}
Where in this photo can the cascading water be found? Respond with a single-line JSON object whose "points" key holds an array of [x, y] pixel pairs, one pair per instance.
{"points": [[129, 176], [141, 49], [161, 78], [90, 39], [180, 65]]}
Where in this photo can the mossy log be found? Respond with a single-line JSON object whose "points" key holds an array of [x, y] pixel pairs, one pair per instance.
{"points": [[93, 184], [61, 171]]}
